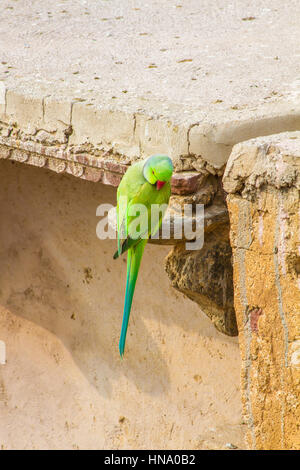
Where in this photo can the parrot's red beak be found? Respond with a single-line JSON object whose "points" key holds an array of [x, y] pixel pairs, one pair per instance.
{"points": [[159, 184]]}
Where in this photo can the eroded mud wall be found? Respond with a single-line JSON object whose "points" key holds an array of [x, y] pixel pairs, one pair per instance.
{"points": [[263, 179], [61, 297]]}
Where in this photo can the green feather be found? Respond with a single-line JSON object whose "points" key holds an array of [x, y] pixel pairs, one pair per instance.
{"points": [[138, 186], [133, 264]]}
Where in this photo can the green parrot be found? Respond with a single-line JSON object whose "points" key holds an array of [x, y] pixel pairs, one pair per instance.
{"points": [[145, 183]]}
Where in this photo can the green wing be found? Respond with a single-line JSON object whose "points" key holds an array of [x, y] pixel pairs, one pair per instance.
{"points": [[128, 189], [134, 189]]}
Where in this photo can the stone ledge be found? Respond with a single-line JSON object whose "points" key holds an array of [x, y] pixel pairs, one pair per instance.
{"points": [[106, 169], [205, 276], [272, 160], [201, 144]]}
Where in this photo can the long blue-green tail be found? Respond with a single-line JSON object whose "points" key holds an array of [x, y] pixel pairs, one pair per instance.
{"points": [[134, 256]]}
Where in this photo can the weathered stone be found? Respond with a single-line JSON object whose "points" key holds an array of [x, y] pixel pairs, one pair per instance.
{"points": [[5, 129], [75, 169], [93, 174], [205, 276], [59, 166], [37, 160], [19, 156], [204, 191], [45, 137], [200, 186], [262, 177], [28, 145], [258, 162], [112, 179], [112, 165], [4, 152], [85, 159], [185, 182]]}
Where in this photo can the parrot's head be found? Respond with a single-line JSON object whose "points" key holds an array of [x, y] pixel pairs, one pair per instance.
{"points": [[158, 170]]}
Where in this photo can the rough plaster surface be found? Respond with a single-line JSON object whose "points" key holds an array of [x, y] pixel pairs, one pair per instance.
{"points": [[205, 276], [61, 297], [186, 78], [262, 177]]}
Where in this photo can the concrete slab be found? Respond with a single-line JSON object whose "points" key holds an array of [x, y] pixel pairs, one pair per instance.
{"points": [[189, 78]]}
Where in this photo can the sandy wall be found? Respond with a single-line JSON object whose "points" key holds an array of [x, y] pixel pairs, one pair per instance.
{"points": [[61, 298], [263, 181]]}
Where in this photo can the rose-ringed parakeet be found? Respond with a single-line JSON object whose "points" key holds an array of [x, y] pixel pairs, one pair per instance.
{"points": [[144, 184]]}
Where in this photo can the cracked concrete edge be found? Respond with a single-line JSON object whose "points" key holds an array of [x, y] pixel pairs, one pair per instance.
{"points": [[88, 142], [76, 131]]}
